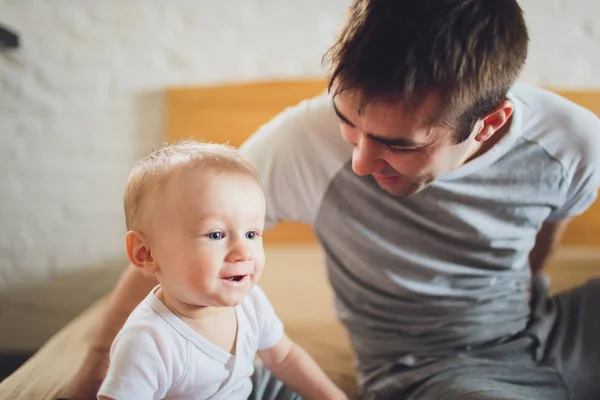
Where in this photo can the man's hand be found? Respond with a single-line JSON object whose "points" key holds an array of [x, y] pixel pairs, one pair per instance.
{"points": [[130, 290], [87, 382]]}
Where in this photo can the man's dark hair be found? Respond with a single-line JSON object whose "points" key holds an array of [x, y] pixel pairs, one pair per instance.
{"points": [[470, 52]]}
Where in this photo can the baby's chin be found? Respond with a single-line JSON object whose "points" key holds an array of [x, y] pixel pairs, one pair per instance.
{"points": [[230, 303], [221, 300], [231, 300]]}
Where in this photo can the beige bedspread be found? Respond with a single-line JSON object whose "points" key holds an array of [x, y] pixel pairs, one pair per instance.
{"points": [[295, 281]]}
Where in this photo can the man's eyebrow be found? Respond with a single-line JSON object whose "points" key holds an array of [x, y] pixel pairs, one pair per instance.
{"points": [[400, 142], [340, 115]]}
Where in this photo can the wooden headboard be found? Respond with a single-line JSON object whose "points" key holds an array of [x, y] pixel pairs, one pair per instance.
{"points": [[231, 113]]}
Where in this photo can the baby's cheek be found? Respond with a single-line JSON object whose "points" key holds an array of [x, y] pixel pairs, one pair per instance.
{"points": [[259, 270], [204, 280]]}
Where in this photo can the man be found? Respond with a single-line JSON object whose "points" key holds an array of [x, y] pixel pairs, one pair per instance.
{"points": [[437, 188]]}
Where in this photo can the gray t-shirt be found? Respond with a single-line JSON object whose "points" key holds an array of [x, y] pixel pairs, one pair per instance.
{"points": [[422, 276]]}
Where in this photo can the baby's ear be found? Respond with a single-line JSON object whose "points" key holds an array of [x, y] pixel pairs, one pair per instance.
{"points": [[139, 253]]}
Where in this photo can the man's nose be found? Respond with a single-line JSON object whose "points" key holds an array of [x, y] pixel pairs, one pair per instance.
{"points": [[366, 159]]}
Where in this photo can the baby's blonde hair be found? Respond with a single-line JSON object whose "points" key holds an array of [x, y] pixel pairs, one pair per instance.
{"points": [[151, 173]]}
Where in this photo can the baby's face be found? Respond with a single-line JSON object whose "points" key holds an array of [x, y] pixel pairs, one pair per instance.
{"points": [[206, 237]]}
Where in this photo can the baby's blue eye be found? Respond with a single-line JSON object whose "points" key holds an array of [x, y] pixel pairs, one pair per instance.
{"points": [[250, 235], [215, 235]]}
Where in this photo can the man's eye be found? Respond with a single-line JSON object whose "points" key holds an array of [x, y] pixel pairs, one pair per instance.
{"points": [[215, 235], [251, 235], [397, 150]]}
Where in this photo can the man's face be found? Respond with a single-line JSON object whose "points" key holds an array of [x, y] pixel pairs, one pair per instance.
{"points": [[403, 150]]}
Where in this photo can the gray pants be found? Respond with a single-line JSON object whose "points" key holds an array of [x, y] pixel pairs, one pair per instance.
{"points": [[556, 357], [266, 387]]}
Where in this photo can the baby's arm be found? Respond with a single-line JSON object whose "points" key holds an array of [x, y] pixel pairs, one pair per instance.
{"points": [[137, 368], [298, 371]]}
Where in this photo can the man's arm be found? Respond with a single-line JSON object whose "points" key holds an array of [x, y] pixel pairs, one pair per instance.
{"points": [[131, 289], [546, 241], [298, 371]]}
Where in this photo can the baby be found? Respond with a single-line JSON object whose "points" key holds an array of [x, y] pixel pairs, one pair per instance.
{"points": [[195, 216]]}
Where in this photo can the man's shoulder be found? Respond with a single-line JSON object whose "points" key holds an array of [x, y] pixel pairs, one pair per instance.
{"points": [[309, 126], [296, 155], [566, 130], [542, 109]]}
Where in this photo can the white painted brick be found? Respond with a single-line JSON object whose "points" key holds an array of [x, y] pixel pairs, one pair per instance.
{"points": [[81, 100]]}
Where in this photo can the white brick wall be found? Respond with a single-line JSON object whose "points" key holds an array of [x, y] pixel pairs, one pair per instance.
{"points": [[565, 43], [81, 100]]}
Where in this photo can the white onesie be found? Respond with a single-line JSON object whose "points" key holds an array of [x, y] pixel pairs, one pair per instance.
{"points": [[158, 356]]}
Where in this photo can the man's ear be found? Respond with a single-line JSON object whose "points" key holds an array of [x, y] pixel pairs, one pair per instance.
{"points": [[495, 120], [139, 253]]}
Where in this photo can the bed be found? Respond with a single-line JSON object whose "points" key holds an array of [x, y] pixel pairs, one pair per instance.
{"points": [[229, 113]]}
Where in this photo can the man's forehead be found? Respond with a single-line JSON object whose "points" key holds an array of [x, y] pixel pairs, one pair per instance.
{"points": [[427, 111], [392, 119]]}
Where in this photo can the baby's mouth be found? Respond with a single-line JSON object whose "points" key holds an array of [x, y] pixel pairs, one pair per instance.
{"points": [[235, 278]]}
